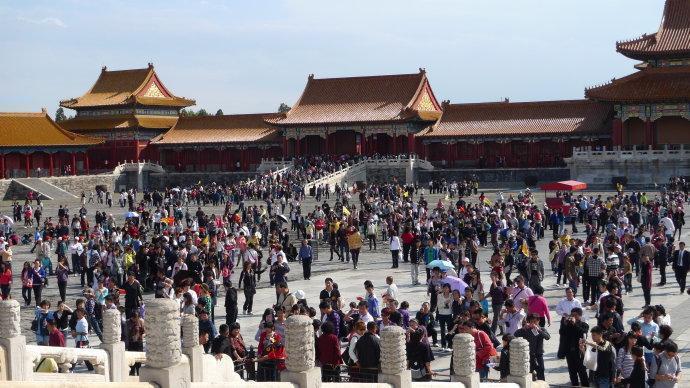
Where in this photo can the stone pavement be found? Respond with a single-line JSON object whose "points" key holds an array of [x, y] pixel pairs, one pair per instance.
{"points": [[375, 266]]}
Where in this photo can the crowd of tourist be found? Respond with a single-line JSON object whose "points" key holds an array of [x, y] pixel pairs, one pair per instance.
{"points": [[166, 248]]}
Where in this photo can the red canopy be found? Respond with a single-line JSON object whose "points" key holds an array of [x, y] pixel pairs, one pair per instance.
{"points": [[564, 186]]}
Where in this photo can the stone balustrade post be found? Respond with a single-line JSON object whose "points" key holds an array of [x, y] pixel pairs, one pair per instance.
{"points": [[112, 344], [191, 347], [13, 343], [163, 353], [519, 363], [465, 361], [394, 358], [299, 351]]}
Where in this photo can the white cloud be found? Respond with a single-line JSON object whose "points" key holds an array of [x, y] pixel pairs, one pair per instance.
{"points": [[51, 21]]}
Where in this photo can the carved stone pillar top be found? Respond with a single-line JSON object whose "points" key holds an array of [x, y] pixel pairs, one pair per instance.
{"points": [[519, 357], [393, 354], [464, 355], [299, 343], [9, 319], [162, 327], [112, 326], [190, 331]]}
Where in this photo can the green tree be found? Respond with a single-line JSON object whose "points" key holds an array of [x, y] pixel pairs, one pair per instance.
{"points": [[283, 108], [202, 112], [185, 113], [60, 115], [219, 112]]}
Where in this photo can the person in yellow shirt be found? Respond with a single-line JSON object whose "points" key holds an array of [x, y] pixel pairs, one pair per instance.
{"points": [[128, 258], [354, 243]]}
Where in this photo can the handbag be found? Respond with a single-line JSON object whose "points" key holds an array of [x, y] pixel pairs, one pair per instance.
{"points": [[590, 358]]}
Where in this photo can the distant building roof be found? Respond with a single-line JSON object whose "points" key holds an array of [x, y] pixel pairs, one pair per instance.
{"points": [[242, 128], [363, 99], [652, 84], [93, 123], [671, 41], [127, 87], [520, 118], [38, 129]]}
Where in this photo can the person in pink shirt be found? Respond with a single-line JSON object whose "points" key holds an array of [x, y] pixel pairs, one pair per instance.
{"points": [[536, 304]]}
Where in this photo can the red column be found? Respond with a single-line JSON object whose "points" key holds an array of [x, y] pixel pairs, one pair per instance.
{"points": [[451, 156], [533, 154], [137, 149], [426, 151], [243, 161], [617, 132], [649, 138], [51, 163], [328, 143], [395, 144], [410, 143], [298, 147], [28, 165], [2, 166], [285, 147], [74, 163], [363, 144], [86, 162]]}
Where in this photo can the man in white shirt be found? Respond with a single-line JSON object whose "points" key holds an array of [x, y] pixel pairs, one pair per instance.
{"points": [[511, 318], [667, 223], [567, 304], [391, 292], [363, 310]]}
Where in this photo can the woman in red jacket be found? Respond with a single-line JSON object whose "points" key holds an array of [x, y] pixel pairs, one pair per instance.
{"points": [[483, 346], [271, 354], [5, 280]]}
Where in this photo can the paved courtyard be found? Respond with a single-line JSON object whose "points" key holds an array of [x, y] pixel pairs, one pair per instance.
{"points": [[375, 266]]}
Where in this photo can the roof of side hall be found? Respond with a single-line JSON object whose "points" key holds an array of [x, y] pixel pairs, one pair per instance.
{"points": [[520, 118], [239, 128], [127, 87], [36, 130], [363, 99]]}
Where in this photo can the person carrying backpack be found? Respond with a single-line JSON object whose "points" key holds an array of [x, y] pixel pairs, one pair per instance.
{"points": [[665, 369]]}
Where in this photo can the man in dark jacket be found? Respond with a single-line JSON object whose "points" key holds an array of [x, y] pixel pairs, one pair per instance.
{"points": [[681, 264], [572, 331], [230, 304], [605, 373], [368, 350], [535, 335]]}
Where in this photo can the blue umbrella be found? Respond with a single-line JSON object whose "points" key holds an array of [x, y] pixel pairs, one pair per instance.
{"points": [[443, 265]]}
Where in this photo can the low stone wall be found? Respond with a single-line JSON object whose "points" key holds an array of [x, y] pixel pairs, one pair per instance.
{"points": [[86, 183], [496, 177], [385, 175], [640, 173]]}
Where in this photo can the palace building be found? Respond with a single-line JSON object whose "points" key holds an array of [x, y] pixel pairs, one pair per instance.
{"points": [[125, 108], [652, 105], [359, 115]]}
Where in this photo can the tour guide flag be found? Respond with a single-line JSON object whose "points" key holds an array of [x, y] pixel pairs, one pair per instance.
{"points": [[346, 211], [524, 249]]}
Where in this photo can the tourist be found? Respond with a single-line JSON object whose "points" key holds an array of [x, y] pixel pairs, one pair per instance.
{"points": [[354, 243], [134, 339], [391, 292], [637, 377], [484, 349], [425, 318], [368, 353], [247, 282], [41, 316], [415, 252], [572, 331], [328, 353], [646, 280], [271, 354], [665, 370], [605, 372], [305, 257], [231, 308], [681, 264], [133, 294], [330, 294], [285, 299], [5, 279], [444, 314], [395, 248], [352, 357], [535, 335], [419, 357], [62, 273], [537, 305]]}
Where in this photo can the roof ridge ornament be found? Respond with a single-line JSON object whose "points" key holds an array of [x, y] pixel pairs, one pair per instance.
{"points": [[104, 68]]}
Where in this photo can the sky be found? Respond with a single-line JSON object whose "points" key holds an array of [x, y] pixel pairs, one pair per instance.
{"points": [[249, 56]]}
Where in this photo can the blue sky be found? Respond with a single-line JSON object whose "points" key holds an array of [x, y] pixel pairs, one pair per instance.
{"points": [[249, 56]]}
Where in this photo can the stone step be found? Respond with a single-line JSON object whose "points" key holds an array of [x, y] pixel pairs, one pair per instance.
{"points": [[44, 189]]}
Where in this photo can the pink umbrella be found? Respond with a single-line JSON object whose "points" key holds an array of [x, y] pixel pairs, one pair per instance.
{"points": [[455, 283]]}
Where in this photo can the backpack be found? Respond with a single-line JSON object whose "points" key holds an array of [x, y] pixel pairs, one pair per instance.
{"points": [[651, 380]]}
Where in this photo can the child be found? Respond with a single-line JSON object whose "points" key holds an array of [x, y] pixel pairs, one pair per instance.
{"points": [[230, 303], [503, 366], [373, 303]]}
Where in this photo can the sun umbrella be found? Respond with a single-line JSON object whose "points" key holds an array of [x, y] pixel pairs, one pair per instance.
{"points": [[443, 265], [455, 283], [9, 219], [131, 215], [282, 218]]}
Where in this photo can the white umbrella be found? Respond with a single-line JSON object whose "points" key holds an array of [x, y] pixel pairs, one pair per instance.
{"points": [[131, 215], [9, 219]]}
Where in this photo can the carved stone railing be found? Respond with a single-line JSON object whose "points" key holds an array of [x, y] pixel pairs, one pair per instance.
{"points": [[67, 357]]}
